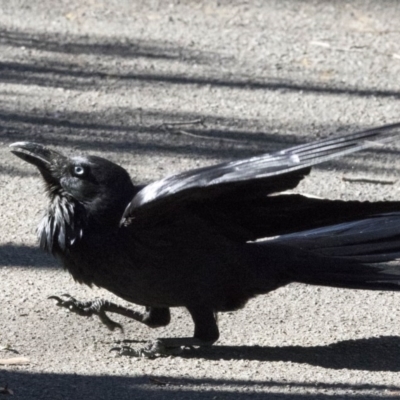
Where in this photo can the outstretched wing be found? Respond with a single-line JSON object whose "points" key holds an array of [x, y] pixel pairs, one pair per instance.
{"points": [[252, 177]]}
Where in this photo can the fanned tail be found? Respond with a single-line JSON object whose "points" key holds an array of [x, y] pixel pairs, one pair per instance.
{"points": [[355, 254]]}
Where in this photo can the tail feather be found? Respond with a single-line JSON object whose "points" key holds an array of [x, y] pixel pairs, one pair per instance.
{"points": [[369, 279], [374, 240], [349, 255]]}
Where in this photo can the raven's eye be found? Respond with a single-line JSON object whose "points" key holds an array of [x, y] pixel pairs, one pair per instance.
{"points": [[79, 171]]}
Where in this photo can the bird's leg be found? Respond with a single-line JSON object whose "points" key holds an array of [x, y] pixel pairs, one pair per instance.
{"points": [[153, 316], [205, 334]]}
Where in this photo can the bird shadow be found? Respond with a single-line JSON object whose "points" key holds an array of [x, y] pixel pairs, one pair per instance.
{"points": [[369, 354]]}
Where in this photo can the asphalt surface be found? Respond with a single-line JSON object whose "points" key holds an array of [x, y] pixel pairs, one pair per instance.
{"points": [[106, 77]]}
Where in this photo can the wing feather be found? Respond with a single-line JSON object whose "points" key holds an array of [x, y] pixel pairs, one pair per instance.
{"points": [[268, 173]]}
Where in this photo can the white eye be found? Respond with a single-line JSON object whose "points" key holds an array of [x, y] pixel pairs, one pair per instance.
{"points": [[79, 171]]}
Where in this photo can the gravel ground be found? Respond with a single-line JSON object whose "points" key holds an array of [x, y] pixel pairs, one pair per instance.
{"points": [[101, 77]]}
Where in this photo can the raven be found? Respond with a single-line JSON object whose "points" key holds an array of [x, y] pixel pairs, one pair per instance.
{"points": [[210, 239]]}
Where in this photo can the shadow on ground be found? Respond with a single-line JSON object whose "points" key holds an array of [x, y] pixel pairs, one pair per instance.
{"points": [[67, 386], [52, 63], [146, 132], [49, 72], [371, 354], [12, 255]]}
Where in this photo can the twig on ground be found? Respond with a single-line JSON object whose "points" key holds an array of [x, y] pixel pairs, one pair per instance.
{"points": [[158, 382], [167, 125], [207, 137], [369, 180], [14, 361]]}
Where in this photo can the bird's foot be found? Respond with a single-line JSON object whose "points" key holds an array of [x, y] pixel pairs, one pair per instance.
{"points": [[152, 349], [87, 309]]}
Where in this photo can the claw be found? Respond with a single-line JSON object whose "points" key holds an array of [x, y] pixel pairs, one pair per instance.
{"points": [[58, 299], [126, 351], [151, 350], [64, 303], [87, 309]]}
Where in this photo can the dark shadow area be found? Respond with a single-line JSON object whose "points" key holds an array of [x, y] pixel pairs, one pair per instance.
{"points": [[138, 132], [141, 132], [103, 46], [272, 84], [86, 132], [67, 74], [89, 387], [218, 137], [24, 256], [371, 354]]}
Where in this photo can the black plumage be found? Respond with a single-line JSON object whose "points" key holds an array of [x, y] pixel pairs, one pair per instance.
{"points": [[212, 238]]}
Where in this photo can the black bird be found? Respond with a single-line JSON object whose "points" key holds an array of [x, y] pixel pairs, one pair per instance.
{"points": [[197, 239]]}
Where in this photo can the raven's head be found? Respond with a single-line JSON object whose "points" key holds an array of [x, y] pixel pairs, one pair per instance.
{"points": [[85, 193]]}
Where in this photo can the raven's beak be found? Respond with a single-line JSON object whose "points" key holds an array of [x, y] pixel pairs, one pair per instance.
{"points": [[36, 154], [33, 153], [45, 159]]}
